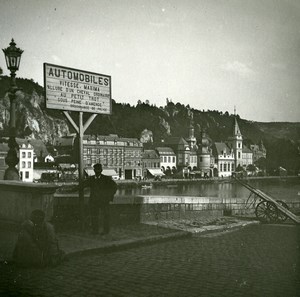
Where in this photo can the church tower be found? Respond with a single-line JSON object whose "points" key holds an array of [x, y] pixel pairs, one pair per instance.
{"points": [[237, 144], [191, 138]]}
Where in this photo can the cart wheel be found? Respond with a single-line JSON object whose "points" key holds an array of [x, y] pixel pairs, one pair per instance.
{"points": [[281, 216], [266, 212]]}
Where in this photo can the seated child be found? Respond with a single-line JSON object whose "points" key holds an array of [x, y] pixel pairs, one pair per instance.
{"points": [[37, 244]]}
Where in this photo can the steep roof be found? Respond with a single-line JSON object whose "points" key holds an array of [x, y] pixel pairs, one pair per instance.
{"points": [[237, 130], [176, 141], [150, 154], [69, 140], [165, 150], [220, 147], [246, 150], [109, 137]]}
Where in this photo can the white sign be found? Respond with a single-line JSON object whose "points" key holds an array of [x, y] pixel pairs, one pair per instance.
{"points": [[77, 90]]}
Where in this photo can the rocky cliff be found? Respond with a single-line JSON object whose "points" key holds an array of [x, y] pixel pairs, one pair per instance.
{"points": [[32, 120]]}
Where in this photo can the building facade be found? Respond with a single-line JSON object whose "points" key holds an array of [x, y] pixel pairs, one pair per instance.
{"points": [[123, 155], [259, 151], [128, 159], [168, 159], [247, 157], [151, 164], [26, 154], [224, 159]]}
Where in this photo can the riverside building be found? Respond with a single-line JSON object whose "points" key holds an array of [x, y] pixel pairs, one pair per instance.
{"points": [[26, 162], [119, 154]]}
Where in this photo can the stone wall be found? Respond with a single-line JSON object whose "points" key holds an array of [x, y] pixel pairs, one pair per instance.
{"points": [[18, 199], [130, 209]]}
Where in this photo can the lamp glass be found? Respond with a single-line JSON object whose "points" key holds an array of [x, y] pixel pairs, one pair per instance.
{"points": [[12, 56]]}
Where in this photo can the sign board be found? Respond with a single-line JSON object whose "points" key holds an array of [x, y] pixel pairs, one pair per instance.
{"points": [[76, 90]]}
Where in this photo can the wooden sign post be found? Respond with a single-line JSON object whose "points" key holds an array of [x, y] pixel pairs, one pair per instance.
{"points": [[80, 129], [69, 89]]}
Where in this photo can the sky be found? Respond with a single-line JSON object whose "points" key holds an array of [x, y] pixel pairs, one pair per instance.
{"points": [[210, 54]]}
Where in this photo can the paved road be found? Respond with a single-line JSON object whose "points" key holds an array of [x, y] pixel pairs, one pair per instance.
{"points": [[258, 260]]}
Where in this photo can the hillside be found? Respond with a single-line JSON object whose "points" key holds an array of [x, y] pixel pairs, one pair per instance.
{"points": [[173, 119], [32, 119]]}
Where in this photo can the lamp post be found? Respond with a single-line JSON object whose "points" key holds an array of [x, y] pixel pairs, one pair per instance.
{"points": [[12, 57]]}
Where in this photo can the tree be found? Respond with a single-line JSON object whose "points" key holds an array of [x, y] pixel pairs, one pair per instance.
{"points": [[251, 168], [239, 168], [261, 163]]}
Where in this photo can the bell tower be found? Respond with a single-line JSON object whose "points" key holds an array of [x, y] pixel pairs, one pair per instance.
{"points": [[191, 138], [237, 144]]}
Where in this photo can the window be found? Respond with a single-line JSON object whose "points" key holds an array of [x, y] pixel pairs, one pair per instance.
{"points": [[29, 164], [173, 159], [29, 154], [221, 167], [26, 174], [225, 167], [239, 155], [89, 151], [23, 164], [23, 155], [169, 159]]}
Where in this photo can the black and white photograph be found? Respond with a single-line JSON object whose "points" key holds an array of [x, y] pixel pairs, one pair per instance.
{"points": [[150, 148]]}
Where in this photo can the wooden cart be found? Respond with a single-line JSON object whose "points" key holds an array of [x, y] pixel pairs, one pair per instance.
{"points": [[268, 209]]}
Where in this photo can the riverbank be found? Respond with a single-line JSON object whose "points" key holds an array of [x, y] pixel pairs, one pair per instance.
{"points": [[171, 181]]}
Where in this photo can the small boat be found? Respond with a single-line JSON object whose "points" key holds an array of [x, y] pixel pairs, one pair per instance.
{"points": [[147, 186]]}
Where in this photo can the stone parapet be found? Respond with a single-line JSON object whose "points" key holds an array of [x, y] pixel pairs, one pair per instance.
{"points": [[18, 199], [135, 209]]}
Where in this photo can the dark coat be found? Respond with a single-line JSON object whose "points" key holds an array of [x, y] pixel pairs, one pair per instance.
{"points": [[37, 245], [103, 190]]}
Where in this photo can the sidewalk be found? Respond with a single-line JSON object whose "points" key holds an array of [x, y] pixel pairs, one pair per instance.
{"points": [[75, 242]]}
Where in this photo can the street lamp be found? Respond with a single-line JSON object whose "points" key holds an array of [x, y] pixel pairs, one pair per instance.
{"points": [[13, 58]]}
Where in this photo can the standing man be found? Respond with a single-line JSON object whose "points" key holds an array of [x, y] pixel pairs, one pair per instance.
{"points": [[103, 189]]}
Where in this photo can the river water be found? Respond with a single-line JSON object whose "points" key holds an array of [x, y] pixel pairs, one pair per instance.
{"points": [[286, 190]]}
